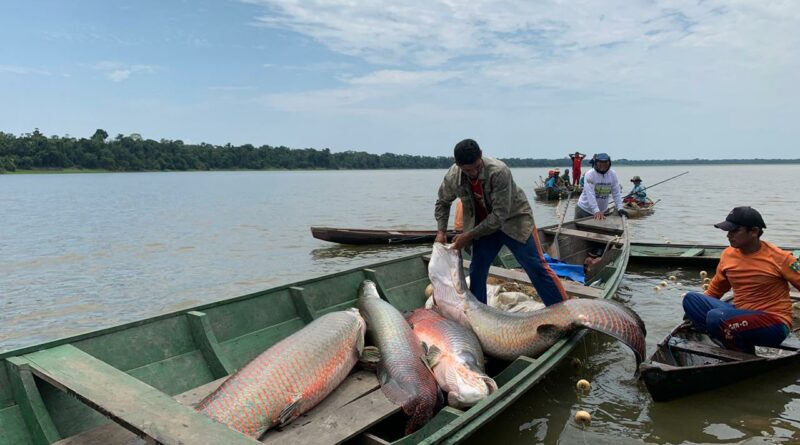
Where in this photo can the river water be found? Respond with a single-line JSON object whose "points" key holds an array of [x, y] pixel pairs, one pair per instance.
{"points": [[85, 251]]}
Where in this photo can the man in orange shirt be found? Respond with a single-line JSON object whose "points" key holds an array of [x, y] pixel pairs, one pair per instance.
{"points": [[759, 274]]}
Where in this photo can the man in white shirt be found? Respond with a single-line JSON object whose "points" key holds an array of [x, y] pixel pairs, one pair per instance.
{"points": [[600, 183]]}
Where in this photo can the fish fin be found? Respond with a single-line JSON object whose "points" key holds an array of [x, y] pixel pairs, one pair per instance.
{"points": [[612, 319], [288, 413], [370, 357], [424, 361], [432, 356], [395, 392]]}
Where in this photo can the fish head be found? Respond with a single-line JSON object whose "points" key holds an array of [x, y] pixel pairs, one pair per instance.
{"points": [[367, 289], [468, 386], [451, 295]]}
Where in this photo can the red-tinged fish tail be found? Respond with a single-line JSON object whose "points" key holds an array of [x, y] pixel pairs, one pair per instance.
{"points": [[611, 319], [420, 414]]}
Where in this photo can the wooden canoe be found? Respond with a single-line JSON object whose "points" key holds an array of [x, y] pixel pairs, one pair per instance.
{"points": [[545, 194], [687, 362], [684, 255], [141, 378], [638, 210], [376, 236]]}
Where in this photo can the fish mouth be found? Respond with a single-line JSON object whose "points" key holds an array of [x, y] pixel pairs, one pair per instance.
{"points": [[471, 388], [368, 289]]}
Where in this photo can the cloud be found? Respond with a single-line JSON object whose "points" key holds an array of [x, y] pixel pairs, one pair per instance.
{"points": [[24, 70], [118, 72]]}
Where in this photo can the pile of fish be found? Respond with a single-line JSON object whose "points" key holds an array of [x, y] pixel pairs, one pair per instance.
{"points": [[420, 355]]}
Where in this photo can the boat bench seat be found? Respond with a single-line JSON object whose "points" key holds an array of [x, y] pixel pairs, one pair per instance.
{"points": [[709, 350], [693, 252], [586, 235], [572, 288], [352, 408], [128, 401]]}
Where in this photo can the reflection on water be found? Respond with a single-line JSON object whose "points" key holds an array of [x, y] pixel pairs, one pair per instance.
{"points": [[81, 252]]}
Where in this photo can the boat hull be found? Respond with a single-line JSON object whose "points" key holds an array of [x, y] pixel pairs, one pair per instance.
{"points": [[184, 355], [372, 236]]}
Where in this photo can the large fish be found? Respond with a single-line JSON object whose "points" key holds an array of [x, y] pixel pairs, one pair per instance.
{"points": [[508, 335], [405, 377], [455, 356], [291, 377]]}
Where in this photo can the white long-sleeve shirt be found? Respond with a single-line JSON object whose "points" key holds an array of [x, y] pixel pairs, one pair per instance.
{"points": [[597, 188]]}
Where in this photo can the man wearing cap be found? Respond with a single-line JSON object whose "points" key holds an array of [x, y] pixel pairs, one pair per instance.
{"points": [[496, 214], [638, 193], [759, 273], [577, 158], [600, 183]]}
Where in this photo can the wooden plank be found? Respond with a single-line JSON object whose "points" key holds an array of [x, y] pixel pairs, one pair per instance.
{"points": [[589, 236], [708, 350], [693, 252], [352, 408], [126, 400], [572, 288], [612, 224]]}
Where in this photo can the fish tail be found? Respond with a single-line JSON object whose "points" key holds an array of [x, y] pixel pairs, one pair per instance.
{"points": [[611, 319], [420, 413]]}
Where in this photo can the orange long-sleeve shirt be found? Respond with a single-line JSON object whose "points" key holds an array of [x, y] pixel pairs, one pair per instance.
{"points": [[760, 280]]}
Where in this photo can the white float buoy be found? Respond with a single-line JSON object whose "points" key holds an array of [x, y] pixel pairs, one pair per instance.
{"points": [[663, 284], [583, 417], [672, 278], [705, 287], [583, 385], [706, 280], [703, 274]]}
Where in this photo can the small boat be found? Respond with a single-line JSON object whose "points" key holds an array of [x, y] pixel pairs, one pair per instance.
{"points": [[687, 362], [143, 378], [545, 194], [637, 210], [376, 236], [685, 255]]}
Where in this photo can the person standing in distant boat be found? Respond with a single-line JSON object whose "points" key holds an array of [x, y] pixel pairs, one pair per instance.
{"points": [[496, 214], [577, 158], [758, 273], [600, 183]]}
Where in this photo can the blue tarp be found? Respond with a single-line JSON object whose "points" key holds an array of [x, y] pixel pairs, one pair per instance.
{"points": [[572, 272]]}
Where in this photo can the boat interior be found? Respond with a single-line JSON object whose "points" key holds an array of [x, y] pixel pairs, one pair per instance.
{"points": [[139, 381]]}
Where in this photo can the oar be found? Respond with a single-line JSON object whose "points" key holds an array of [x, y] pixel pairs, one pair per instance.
{"points": [[553, 249], [661, 182]]}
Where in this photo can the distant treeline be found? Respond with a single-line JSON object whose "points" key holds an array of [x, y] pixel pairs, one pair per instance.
{"points": [[35, 151]]}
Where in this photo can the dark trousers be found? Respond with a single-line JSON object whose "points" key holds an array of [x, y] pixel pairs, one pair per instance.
{"points": [[736, 329], [530, 257], [580, 213]]}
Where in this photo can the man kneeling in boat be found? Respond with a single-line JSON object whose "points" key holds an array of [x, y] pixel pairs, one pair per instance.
{"points": [[758, 272]]}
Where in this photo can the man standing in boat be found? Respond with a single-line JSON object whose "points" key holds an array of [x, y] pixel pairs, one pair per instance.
{"points": [[496, 214], [759, 273], [577, 159], [599, 184]]}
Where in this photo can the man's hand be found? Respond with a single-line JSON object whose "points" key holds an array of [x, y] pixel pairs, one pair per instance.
{"points": [[622, 212], [441, 237], [461, 241], [599, 216]]}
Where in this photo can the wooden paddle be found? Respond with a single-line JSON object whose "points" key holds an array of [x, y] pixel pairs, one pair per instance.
{"points": [[553, 249]]}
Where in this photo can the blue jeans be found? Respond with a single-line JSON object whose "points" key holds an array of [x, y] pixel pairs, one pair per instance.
{"points": [[530, 257], [737, 329]]}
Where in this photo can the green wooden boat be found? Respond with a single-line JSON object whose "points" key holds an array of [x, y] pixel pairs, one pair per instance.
{"points": [[685, 255], [142, 378]]}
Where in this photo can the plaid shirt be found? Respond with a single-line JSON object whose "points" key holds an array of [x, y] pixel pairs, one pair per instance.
{"points": [[506, 203]]}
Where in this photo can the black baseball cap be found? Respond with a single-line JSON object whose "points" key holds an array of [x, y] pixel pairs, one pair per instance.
{"points": [[742, 216]]}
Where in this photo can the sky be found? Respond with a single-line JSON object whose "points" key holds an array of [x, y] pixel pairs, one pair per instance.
{"points": [[638, 79]]}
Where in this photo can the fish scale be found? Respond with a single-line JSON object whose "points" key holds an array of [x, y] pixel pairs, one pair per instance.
{"points": [[405, 379], [508, 335], [291, 377]]}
